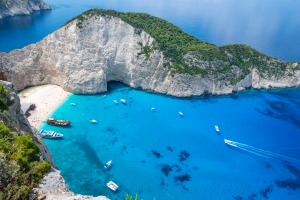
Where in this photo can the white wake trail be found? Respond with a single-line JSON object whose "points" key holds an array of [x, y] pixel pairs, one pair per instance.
{"points": [[260, 152]]}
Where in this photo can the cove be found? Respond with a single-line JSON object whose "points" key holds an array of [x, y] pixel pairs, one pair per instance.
{"points": [[159, 154]]}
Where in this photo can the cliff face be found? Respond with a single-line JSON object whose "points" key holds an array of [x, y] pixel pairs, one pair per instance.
{"points": [[52, 186], [21, 7], [15, 119], [84, 55]]}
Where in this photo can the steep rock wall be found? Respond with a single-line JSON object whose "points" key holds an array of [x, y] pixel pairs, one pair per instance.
{"points": [[83, 56], [24, 7], [52, 186]]}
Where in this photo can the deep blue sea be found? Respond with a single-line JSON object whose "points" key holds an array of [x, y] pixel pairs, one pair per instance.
{"points": [[159, 154]]}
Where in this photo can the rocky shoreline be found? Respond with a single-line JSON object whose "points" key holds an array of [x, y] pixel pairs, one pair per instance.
{"points": [[24, 7], [82, 56], [54, 187]]}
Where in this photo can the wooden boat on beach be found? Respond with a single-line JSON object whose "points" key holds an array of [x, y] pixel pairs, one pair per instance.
{"points": [[56, 122]]}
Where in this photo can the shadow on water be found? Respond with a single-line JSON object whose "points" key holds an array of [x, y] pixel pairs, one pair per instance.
{"points": [[115, 85], [90, 154]]}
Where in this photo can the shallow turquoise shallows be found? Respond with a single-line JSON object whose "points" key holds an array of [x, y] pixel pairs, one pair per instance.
{"points": [[160, 154]]}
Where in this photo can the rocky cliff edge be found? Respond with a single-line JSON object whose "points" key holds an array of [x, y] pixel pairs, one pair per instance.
{"points": [[94, 49], [52, 186], [24, 7]]}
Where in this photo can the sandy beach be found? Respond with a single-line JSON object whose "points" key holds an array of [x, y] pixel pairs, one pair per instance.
{"points": [[46, 98]]}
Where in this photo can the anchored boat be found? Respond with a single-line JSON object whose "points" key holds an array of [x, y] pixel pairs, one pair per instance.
{"points": [[93, 121], [56, 122], [217, 128], [111, 185], [123, 101], [107, 164], [50, 134]]}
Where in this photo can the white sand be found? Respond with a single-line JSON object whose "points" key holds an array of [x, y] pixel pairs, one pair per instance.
{"points": [[46, 98]]}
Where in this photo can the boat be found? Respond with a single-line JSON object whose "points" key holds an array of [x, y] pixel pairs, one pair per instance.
{"points": [[72, 104], [123, 101], [107, 164], [180, 113], [56, 122], [93, 121], [111, 185], [153, 108], [229, 142], [115, 101], [32, 107], [217, 128], [50, 134]]}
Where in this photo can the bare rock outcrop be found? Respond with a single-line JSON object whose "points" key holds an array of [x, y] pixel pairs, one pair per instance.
{"points": [[24, 7], [53, 185], [84, 55]]}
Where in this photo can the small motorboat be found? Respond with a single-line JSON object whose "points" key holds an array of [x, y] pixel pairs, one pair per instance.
{"points": [[123, 101], [180, 113], [93, 121], [115, 101], [72, 104], [107, 164], [153, 109], [111, 185], [50, 134], [229, 142], [217, 128]]}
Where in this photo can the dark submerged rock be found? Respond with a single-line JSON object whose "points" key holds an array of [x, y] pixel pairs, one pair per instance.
{"points": [[182, 178], [183, 156]]}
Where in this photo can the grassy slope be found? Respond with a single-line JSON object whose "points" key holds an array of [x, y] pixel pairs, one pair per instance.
{"points": [[175, 44]]}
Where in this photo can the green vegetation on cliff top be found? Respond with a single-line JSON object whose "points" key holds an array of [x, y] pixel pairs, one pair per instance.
{"points": [[177, 45]]}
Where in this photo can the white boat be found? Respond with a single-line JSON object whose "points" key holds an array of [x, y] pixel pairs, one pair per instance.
{"points": [[111, 185], [72, 104], [115, 101], [107, 164], [50, 134], [123, 101], [229, 142], [180, 113], [217, 128], [93, 121], [153, 108]]}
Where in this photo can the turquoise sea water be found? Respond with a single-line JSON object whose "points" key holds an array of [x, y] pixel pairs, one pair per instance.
{"points": [[162, 155]]}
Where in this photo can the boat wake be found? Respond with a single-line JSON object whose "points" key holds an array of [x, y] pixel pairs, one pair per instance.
{"points": [[260, 152]]}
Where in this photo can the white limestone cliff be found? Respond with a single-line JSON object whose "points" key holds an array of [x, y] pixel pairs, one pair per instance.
{"points": [[24, 7], [82, 59]]}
